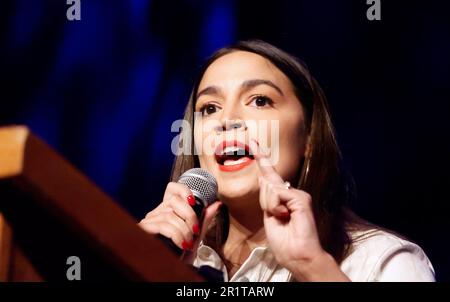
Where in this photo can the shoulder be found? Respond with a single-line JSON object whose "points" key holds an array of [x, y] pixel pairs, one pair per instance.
{"points": [[377, 255]]}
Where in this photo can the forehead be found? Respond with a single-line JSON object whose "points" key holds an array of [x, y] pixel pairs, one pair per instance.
{"points": [[238, 66]]}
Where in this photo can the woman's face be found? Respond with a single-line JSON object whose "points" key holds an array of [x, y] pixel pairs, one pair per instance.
{"points": [[243, 96]]}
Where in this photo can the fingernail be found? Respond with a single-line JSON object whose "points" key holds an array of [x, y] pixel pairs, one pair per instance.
{"points": [[191, 200], [187, 245], [196, 229]]}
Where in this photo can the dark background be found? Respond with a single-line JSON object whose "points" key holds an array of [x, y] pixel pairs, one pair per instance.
{"points": [[105, 90]]}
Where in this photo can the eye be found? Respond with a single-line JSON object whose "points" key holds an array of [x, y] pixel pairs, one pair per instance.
{"points": [[261, 101], [208, 109]]}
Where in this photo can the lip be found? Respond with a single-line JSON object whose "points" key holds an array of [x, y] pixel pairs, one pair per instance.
{"points": [[234, 143]]}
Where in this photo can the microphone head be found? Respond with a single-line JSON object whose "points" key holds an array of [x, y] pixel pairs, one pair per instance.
{"points": [[202, 184]]}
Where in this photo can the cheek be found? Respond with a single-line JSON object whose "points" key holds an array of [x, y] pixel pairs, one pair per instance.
{"points": [[292, 141]]}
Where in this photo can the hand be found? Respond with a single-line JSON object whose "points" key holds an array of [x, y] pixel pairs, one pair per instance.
{"points": [[174, 218], [289, 223]]}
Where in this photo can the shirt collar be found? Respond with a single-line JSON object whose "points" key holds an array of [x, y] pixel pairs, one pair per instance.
{"points": [[259, 266]]}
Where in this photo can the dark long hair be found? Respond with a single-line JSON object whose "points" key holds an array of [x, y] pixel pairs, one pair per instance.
{"points": [[321, 173]]}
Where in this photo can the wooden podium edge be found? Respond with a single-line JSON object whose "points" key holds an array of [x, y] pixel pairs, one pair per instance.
{"points": [[5, 249], [76, 201], [12, 147]]}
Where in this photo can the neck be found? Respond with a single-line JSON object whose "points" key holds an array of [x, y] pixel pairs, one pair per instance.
{"points": [[246, 216], [250, 234], [246, 231]]}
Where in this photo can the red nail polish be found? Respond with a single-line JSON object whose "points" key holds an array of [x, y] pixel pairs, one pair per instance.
{"points": [[196, 229], [191, 200], [187, 245]]}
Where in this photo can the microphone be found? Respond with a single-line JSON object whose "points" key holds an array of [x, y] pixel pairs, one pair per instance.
{"points": [[204, 188]]}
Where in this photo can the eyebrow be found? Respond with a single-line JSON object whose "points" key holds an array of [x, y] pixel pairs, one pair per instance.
{"points": [[246, 85]]}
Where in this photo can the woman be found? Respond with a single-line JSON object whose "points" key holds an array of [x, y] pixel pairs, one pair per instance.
{"points": [[262, 228]]}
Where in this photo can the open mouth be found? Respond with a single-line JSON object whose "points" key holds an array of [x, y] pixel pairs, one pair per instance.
{"points": [[233, 156]]}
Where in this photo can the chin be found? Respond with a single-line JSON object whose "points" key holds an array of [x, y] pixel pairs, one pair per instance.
{"points": [[236, 189]]}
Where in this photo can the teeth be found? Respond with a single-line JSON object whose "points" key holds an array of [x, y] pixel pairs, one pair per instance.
{"points": [[235, 162], [233, 149]]}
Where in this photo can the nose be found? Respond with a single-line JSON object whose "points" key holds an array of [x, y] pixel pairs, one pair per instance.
{"points": [[229, 125], [231, 116]]}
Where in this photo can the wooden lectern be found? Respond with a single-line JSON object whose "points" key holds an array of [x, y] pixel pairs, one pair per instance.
{"points": [[50, 211]]}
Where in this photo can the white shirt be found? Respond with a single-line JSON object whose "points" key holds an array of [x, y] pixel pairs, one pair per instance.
{"points": [[376, 256]]}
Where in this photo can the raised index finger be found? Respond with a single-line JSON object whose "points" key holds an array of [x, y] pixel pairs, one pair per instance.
{"points": [[264, 164]]}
